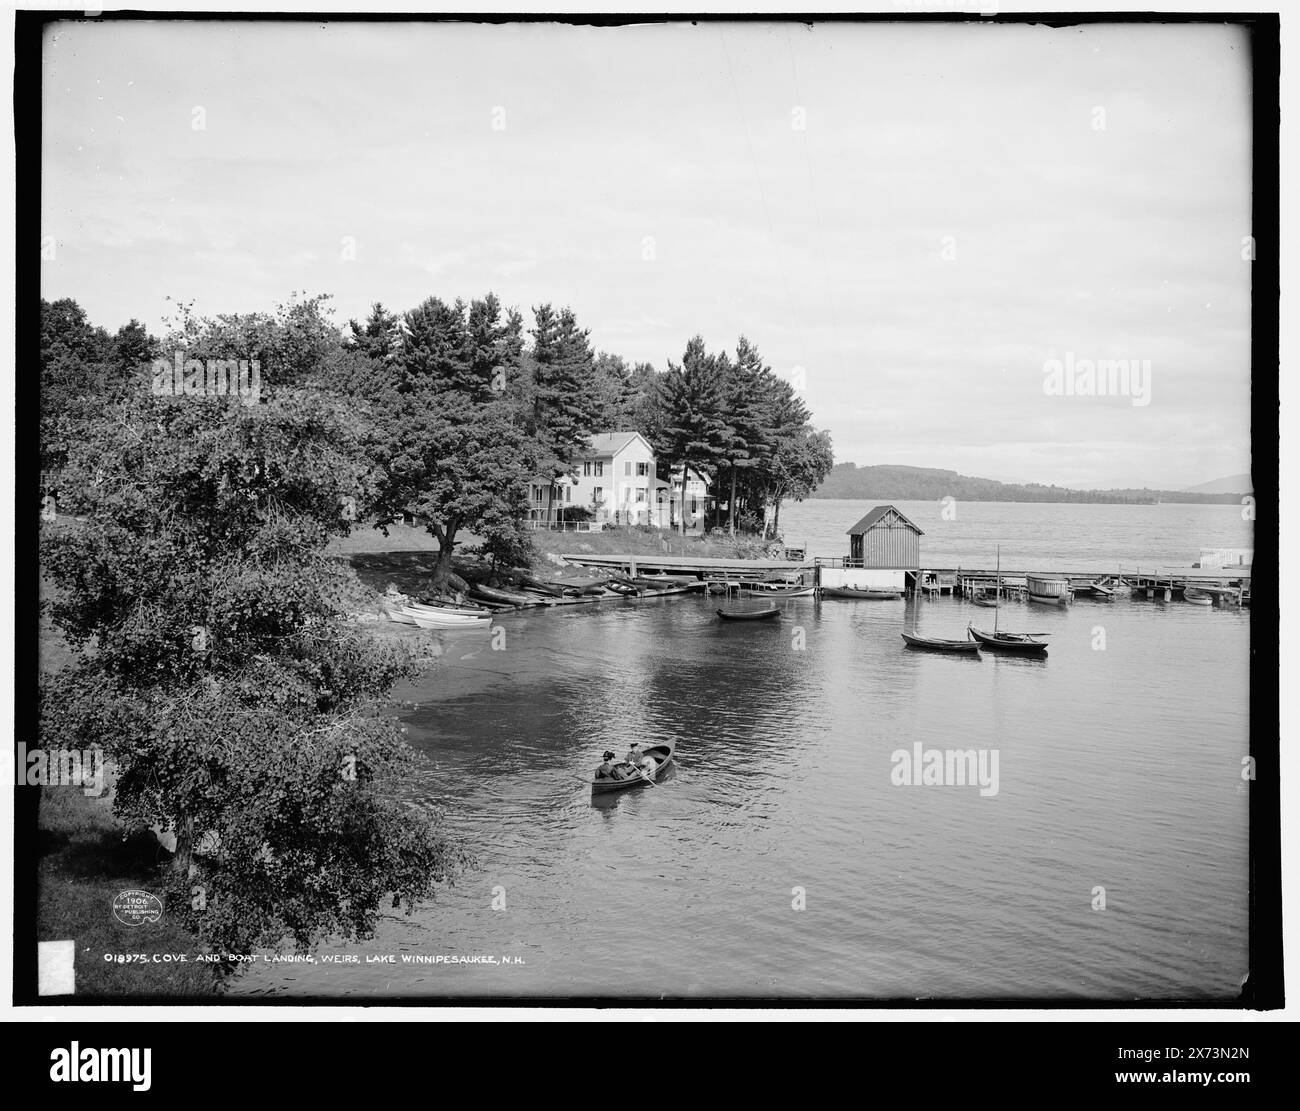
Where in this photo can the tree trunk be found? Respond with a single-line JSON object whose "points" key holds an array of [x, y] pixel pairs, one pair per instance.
{"points": [[776, 520], [682, 523], [731, 504], [446, 538], [184, 854]]}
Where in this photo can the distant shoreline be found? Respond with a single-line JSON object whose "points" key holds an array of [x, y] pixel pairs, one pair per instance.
{"points": [[1082, 497]]}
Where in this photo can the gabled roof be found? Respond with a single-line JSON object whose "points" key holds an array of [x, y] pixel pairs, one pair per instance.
{"points": [[876, 515], [610, 443]]}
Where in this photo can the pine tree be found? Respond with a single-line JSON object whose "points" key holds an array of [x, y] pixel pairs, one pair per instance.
{"points": [[695, 431]]}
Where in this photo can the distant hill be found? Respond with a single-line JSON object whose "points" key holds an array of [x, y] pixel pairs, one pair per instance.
{"points": [[847, 480], [1232, 484]]}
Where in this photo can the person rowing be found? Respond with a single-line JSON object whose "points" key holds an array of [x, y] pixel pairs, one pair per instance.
{"points": [[642, 764]]}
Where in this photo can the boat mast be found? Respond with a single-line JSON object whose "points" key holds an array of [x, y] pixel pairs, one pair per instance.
{"points": [[997, 597]]}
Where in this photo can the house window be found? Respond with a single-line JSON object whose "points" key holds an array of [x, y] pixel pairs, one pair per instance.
{"points": [[640, 493], [600, 468], [642, 469], [537, 495], [627, 469], [586, 469], [597, 495]]}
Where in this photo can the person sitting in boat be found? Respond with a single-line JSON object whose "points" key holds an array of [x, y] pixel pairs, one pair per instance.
{"points": [[641, 763], [606, 770]]}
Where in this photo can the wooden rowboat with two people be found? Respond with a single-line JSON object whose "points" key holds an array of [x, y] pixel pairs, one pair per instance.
{"points": [[930, 644], [749, 615], [661, 754]]}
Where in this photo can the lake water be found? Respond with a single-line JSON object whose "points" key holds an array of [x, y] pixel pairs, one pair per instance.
{"points": [[779, 858]]}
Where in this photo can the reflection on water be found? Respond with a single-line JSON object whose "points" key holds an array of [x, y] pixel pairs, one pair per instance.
{"points": [[1119, 770]]}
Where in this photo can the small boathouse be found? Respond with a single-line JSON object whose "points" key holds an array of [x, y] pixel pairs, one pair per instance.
{"points": [[884, 550]]}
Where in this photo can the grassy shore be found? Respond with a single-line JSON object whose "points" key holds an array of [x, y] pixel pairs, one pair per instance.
{"points": [[85, 863], [86, 859]]}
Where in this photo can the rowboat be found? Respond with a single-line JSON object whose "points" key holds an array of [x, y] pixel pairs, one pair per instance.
{"points": [[1198, 597], [932, 645], [983, 600], [662, 754], [663, 580], [854, 592], [749, 615], [758, 591], [434, 619], [398, 614], [466, 610], [1022, 643]]}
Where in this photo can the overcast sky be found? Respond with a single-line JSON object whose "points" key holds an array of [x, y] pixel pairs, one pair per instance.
{"points": [[960, 205]]}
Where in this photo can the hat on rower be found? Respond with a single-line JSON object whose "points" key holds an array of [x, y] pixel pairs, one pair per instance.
{"points": [[636, 744]]}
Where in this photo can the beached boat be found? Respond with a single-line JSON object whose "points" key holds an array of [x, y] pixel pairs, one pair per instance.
{"points": [[555, 590], [509, 597], [436, 619], [749, 615], [854, 592], [465, 609], [398, 614], [1023, 643], [1050, 590], [932, 645], [1198, 597], [662, 754]]}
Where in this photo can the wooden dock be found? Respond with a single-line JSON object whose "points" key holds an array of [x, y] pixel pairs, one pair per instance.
{"points": [[690, 565], [1229, 585]]}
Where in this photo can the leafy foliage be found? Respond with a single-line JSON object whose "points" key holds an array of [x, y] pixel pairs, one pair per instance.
{"points": [[240, 708]]}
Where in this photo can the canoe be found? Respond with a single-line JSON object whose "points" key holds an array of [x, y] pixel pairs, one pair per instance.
{"points": [[932, 645], [1197, 597], [662, 754], [1021, 643], [853, 592], [749, 615], [433, 619]]}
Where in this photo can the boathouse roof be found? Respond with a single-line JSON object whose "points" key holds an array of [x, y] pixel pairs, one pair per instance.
{"points": [[886, 513]]}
